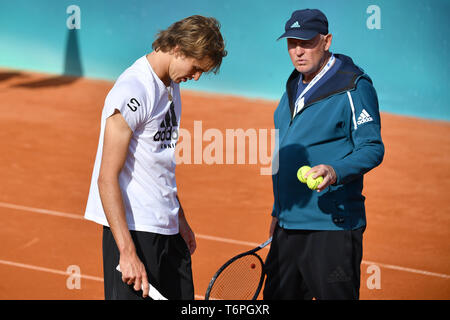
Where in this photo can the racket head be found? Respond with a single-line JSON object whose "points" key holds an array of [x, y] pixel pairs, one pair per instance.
{"points": [[240, 278]]}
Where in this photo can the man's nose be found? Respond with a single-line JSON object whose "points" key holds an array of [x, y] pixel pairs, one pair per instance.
{"points": [[299, 50]]}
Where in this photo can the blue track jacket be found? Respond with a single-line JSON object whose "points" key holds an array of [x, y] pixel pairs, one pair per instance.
{"points": [[338, 126]]}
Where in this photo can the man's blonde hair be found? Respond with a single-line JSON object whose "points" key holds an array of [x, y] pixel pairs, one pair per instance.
{"points": [[196, 37]]}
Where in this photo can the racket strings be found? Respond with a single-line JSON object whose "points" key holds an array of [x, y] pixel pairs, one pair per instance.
{"points": [[239, 280]]}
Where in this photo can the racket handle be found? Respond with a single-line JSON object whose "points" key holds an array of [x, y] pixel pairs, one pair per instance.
{"points": [[152, 292], [265, 244]]}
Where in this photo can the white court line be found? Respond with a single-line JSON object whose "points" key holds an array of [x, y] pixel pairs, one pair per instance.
{"points": [[393, 267], [219, 239], [42, 211], [48, 270]]}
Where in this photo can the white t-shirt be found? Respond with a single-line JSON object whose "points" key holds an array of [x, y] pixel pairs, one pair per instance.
{"points": [[147, 180]]}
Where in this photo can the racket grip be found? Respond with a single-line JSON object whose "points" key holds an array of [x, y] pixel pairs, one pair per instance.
{"points": [[152, 292]]}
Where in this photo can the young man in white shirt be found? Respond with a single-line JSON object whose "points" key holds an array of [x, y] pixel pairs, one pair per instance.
{"points": [[133, 190]]}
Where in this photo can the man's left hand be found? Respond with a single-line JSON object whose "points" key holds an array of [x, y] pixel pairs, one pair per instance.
{"points": [[187, 234], [326, 171]]}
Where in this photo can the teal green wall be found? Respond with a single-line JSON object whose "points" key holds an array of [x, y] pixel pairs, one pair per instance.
{"points": [[407, 58]]}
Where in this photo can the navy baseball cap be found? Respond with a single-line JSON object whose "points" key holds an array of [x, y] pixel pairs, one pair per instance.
{"points": [[305, 24]]}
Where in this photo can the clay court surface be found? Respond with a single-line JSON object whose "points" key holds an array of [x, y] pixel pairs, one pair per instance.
{"points": [[48, 139]]}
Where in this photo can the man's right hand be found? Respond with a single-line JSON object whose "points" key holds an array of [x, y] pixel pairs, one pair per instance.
{"points": [[133, 272]]}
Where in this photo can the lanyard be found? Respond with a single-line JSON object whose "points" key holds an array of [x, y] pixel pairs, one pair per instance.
{"points": [[300, 102]]}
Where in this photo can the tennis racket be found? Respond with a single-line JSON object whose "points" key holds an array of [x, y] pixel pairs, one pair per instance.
{"points": [[240, 278], [152, 292]]}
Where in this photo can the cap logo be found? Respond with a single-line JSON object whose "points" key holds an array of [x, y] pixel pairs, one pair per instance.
{"points": [[295, 25]]}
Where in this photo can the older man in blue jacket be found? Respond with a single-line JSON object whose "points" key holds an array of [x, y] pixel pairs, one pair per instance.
{"points": [[328, 119]]}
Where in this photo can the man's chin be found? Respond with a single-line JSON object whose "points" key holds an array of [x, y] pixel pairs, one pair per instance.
{"points": [[303, 69]]}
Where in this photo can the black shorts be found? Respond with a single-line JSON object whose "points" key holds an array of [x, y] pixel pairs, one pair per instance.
{"points": [[305, 264], [167, 262]]}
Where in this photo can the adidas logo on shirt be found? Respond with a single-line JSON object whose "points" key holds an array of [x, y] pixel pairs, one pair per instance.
{"points": [[364, 117], [168, 128]]}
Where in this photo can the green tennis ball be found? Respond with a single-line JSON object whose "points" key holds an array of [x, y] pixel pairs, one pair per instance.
{"points": [[301, 173], [313, 183]]}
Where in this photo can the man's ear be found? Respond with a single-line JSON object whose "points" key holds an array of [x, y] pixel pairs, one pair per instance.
{"points": [[175, 51], [328, 39]]}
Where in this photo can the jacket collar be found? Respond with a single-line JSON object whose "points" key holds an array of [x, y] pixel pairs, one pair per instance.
{"points": [[342, 80]]}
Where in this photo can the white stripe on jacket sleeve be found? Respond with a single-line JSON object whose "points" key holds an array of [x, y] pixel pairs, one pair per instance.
{"points": [[353, 109]]}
